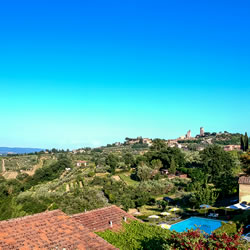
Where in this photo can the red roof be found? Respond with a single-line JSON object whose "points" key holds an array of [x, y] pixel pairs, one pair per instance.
{"points": [[48, 230], [244, 180], [99, 219]]}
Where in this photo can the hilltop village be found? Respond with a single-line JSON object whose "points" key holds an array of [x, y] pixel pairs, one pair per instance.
{"points": [[154, 184]]}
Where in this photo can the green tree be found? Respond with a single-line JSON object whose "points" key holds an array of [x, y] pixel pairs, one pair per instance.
{"points": [[220, 167], [113, 161], [242, 143], [216, 162], [156, 164], [204, 194], [129, 159], [172, 169], [143, 172], [246, 141], [245, 160], [158, 144], [165, 155]]}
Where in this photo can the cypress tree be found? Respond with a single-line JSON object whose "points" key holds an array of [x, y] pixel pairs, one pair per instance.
{"points": [[246, 141], [172, 169], [242, 146]]}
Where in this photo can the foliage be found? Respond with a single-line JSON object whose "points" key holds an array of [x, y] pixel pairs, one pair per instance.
{"points": [[172, 169], [155, 187], [244, 144], [245, 159], [112, 160], [219, 165], [195, 239], [227, 139], [143, 172], [229, 228], [162, 204], [50, 172], [79, 200], [203, 194], [129, 159], [136, 235], [165, 155], [139, 145], [216, 161], [158, 144], [242, 218], [132, 196], [156, 164], [91, 174]]}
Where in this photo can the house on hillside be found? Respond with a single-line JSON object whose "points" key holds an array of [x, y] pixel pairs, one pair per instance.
{"points": [[181, 175], [244, 189], [231, 147], [81, 163]]}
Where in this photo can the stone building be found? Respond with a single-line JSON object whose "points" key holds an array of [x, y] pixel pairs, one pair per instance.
{"points": [[202, 132], [188, 135], [244, 189]]}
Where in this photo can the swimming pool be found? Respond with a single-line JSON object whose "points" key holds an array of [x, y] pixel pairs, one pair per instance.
{"points": [[206, 225]]}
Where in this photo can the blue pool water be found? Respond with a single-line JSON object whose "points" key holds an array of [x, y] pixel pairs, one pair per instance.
{"points": [[206, 225]]}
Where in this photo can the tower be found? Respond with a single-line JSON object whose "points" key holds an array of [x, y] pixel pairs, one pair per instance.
{"points": [[188, 135], [202, 131]]}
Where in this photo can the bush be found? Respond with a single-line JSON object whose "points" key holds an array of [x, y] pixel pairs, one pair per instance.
{"points": [[194, 239], [229, 228], [91, 174], [242, 218]]}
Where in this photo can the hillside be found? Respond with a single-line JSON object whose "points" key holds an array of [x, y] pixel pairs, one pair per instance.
{"points": [[128, 176]]}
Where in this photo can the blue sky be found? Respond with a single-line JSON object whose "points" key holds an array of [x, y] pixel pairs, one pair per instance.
{"points": [[88, 73]]}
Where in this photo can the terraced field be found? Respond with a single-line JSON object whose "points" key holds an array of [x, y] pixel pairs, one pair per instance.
{"points": [[11, 166], [18, 163]]}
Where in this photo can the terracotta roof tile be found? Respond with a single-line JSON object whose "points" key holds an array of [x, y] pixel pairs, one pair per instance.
{"points": [[48, 230], [244, 180], [99, 219]]}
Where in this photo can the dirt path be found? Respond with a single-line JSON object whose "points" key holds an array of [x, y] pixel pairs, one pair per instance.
{"points": [[3, 166], [38, 165], [10, 175], [116, 177]]}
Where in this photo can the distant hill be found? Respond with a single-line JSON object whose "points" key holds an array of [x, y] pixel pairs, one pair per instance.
{"points": [[6, 150]]}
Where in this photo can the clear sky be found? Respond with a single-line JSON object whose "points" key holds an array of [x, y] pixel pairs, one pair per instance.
{"points": [[87, 73]]}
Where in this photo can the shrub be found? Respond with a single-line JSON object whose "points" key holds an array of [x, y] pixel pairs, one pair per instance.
{"points": [[91, 174], [194, 239], [229, 228]]}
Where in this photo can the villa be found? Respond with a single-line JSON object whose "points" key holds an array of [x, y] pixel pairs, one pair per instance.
{"points": [[81, 163], [244, 189]]}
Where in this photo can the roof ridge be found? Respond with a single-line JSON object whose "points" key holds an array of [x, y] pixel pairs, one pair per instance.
{"points": [[32, 215], [94, 210]]}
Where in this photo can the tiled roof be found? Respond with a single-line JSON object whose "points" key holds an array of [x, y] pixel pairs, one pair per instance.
{"points": [[99, 219], [244, 180], [48, 230]]}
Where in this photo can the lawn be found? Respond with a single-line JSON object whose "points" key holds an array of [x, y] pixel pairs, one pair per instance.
{"points": [[126, 178]]}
